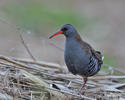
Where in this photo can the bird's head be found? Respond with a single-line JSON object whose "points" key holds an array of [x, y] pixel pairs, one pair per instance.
{"points": [[68, 30]]}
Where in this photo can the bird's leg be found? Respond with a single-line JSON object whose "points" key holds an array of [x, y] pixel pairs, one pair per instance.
{"points": [[83, 85]]}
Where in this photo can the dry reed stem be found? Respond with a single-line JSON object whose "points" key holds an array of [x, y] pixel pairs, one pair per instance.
{"points": [[27, 79]]}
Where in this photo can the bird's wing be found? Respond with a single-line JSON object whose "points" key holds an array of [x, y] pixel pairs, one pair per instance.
{"points": [[96, 54], [89, 50]]}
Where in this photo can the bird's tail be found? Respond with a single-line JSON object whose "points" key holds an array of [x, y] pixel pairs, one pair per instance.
{"points": [[102, 57]]}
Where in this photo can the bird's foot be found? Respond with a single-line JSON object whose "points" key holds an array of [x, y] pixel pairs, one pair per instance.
{"points": [[82, 90], [83, 86]]}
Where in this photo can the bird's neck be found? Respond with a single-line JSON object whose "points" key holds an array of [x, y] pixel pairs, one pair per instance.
{"points": [[77, 37], [75, 40]]}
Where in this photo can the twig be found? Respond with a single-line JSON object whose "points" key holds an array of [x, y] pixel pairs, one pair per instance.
{"points": [[106, 77], [117, 69], [15, 62], [42, 83], [72, 94], [23, 42], [50, 78], [40, 63]]}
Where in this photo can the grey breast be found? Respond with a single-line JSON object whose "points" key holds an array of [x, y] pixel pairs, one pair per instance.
{"points": [[76, 59]]}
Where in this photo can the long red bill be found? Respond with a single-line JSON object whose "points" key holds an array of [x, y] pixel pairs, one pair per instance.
{"points": [[58, 33]]}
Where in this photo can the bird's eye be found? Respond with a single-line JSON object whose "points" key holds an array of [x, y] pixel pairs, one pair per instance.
{"points": [[64, 29]]}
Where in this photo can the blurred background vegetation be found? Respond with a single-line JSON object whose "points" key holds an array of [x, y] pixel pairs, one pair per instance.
{"points": [[100, 22]]}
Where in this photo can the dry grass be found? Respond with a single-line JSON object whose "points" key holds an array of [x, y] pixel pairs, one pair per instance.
{"points": [[22, 79]]}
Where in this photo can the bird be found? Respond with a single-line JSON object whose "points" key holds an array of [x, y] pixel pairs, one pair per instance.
{"points": [[80, 57]]}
